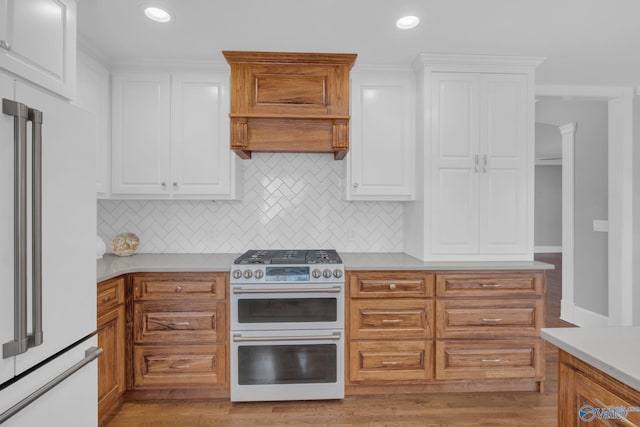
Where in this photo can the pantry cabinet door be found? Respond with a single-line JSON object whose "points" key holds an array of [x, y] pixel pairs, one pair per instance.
{"points": [[455, 167], [140, 134], [201, 161], [380, 164], [503, 181]]}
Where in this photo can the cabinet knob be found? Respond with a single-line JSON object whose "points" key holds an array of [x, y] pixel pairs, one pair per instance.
{"points": [[163, 185], [4, 45], [107, 299], [356, 185], [178, 288], [392, 286], [175, 184]]}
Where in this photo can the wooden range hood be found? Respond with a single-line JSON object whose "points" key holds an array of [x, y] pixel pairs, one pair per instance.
{"points": [[289, 102]]}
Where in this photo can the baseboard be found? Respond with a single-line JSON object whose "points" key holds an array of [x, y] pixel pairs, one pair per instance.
{"points": [[582, 317], [547, 249]]}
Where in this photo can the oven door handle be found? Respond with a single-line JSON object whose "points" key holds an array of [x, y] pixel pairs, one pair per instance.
{"points": [[334, 337], [333, 290]]}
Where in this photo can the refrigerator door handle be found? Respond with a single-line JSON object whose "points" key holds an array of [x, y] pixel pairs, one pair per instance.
{"points": [[19, 344], [35, 117], [91, 354]]}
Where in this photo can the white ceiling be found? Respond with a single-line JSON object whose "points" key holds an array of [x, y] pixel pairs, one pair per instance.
{"points": [[586, 42]]}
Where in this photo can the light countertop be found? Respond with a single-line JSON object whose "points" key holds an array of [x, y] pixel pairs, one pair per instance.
{"points": [[613, 350], [111, 265]]}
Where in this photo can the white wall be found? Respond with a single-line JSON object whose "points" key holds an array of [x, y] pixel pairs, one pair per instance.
{"points": [[548, 207], [289, 201], [591, 195]]}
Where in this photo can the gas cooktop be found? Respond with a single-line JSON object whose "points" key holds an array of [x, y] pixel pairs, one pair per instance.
{"points": [[290, 256]]}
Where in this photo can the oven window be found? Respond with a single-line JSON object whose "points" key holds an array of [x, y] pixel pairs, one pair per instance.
{"points": [[287, 310], [287, 364]]}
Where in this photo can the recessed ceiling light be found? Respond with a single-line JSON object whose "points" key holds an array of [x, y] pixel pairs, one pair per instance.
{"points": [[157, 14], [407, 22]]}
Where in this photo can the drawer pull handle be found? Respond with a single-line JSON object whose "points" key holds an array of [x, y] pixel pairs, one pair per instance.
{"points": [[391, 321], [174, 366], [178, 288], [392, 363], [496, 320], [392, 286], [179, 324], [491, 360], [490, 285]]}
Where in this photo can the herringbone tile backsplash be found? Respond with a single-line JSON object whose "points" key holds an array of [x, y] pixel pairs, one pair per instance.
{"points": [[289, 201]]}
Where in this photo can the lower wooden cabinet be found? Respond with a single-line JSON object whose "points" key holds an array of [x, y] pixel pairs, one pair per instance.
{"points": [[589, 397], [111, 338], [395, 361], [495, 359], [180, 334], [444, 331], [179, 366]]}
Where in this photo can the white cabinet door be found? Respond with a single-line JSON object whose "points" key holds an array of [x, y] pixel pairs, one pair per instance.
{"points": [[455, 168], [140, 133], [479, 168], [38, 39], [503, 147], [380, 163], [201, 161], [93, 96]]}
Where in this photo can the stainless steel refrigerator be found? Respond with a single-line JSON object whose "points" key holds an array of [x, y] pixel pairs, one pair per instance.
{"points": [[48, 368]]}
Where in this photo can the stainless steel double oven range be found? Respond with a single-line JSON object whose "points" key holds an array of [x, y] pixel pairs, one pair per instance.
{"points": [[287, 325]]}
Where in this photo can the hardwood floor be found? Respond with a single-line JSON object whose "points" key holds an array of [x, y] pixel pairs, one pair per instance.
{"points": [[425, 410]]}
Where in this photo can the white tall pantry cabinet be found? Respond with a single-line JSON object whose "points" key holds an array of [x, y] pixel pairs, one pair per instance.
{"points": [[476, 145]]}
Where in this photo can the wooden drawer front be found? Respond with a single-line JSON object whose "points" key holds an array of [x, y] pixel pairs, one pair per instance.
{"points": [[490, 284], [462, 318], [593, 394], [110, 294], [179, 286], [178, 366], [489, 359], [390, 284], [391, 361], [186, 323], [376, 319]]}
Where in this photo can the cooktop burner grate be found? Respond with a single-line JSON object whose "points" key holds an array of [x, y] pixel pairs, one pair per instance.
{"points": [[290, 256]]}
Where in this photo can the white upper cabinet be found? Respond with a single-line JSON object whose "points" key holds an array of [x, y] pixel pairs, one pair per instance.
{"points": [[476, 121], [140, 133], [170, 136], [93, 95], [201, 161], [38, 42], [380, 163]]}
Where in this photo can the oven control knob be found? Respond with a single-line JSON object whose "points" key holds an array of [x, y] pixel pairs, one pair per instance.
{"points": [[248, 274], [258, 274], [327, 273], [316, 273], [337, 273], [237, 274]]}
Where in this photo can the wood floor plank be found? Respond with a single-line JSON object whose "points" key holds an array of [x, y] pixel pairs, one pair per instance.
{"points": [[507, 409]]}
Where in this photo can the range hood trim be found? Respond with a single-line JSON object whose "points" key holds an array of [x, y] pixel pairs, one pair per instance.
{"points": [[297, 124]]}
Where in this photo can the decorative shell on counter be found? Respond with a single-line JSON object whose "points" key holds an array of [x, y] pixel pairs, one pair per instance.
{"points": [[125, 244]]}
